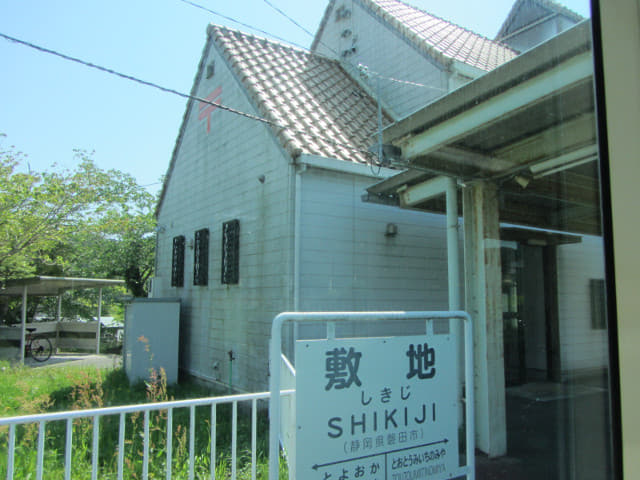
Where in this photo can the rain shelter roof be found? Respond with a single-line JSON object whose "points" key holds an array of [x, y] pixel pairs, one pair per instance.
{"points": [[42, 286]]}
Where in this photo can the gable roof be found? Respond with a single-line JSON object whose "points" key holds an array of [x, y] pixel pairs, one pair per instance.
{"points": [[443, 40], [545, 8], [323, 110], [328, 113]]}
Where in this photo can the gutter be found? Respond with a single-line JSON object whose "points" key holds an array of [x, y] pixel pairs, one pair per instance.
{"points": [[341, 166]]}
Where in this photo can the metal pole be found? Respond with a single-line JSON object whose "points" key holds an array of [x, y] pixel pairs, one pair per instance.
{"points": [[24, 324], [58, 318], [469, 398], [453, 253], [99, 320]]}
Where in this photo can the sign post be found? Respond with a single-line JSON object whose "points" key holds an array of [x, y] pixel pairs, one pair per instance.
{"points": [[380, 408]]}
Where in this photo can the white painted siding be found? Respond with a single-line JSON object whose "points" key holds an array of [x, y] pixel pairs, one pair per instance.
{"points": [[582, 348], [347, 262], [383, 50], [531, 37], [215, 179]]}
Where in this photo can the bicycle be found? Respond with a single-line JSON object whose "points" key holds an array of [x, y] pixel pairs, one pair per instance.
{"points": [[38, 347]]}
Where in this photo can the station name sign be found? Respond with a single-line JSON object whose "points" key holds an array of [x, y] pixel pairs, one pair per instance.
{"points": [[377, 408]]}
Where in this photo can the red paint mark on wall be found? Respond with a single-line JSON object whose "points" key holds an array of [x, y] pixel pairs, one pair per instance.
{"points": [[206, 108]]}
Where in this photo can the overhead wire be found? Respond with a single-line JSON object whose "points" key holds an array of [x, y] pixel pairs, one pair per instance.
{"points": [[292, 20], [221, 106], [246, 25], [289, 18], [289, 42], [172, 91]]}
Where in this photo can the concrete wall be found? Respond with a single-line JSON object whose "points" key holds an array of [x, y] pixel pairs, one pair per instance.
{"points": [[216, 179], [375, 45], [583, 348]]}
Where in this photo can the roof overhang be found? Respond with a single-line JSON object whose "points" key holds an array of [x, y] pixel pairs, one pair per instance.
{"points": [[528, 125], [52, 286]]}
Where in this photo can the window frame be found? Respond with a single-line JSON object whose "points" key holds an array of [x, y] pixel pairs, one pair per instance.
{"points": [[177, 261], [201, 257], [230, 259]]}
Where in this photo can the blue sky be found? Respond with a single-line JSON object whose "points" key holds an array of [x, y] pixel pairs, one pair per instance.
{"points": [[49, 106]]}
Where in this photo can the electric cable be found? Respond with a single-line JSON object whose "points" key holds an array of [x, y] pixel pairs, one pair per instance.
{"points": [[246, 25], [289, 18], [292, 20], [172, 91], [306, 49]]}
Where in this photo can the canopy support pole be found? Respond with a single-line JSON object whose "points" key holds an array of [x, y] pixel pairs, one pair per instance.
{"points": [[24, 324], [99, 320]]}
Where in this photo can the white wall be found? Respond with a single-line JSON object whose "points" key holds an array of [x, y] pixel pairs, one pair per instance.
{"points": [[541, 32], [582, 347], [215, 179], [347, 262], [383, 50]]}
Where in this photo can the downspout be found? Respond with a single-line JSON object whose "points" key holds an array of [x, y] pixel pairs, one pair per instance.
{"points": [[297, 247], [296, 234]]}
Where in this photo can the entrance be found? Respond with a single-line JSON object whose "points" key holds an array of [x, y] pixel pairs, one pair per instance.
{"points": [[530, 309]]}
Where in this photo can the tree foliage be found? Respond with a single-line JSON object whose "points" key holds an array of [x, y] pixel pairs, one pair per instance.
{"points": [[82, 222]]}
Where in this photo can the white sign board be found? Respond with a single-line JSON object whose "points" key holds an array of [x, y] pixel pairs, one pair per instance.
{"points": [[377, 408]]}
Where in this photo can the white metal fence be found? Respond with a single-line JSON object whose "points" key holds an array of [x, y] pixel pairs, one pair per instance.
{"points": [[97, 415]]}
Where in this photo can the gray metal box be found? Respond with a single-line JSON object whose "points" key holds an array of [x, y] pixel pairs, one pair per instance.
{"points": [[151, 338]]}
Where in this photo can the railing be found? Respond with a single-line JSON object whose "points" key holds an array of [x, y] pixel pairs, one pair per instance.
{"points": [[145, 409]]}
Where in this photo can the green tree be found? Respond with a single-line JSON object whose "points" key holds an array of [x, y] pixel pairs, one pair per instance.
{"points": [[80, 222]]}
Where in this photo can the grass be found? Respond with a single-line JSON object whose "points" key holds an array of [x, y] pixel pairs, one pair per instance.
{"points": [[25, 391]]}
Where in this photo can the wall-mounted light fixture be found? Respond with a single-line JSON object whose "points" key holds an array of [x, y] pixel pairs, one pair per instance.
{"points": [[190, 244], [391, 230]]}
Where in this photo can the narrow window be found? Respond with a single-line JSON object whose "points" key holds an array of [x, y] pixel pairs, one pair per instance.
{"points": [[201, 257], [230, 252], [177, 262]]}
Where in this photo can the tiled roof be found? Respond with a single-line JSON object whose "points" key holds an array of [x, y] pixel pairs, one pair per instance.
{"points": [[327, 111], [442, 37]]}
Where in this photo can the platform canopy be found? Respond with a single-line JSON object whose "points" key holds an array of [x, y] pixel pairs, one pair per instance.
{"points": [[516, 147], [528, 126], [52, 286]]}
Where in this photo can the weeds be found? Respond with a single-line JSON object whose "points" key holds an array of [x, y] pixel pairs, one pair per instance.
{"points": [[27, 391]]}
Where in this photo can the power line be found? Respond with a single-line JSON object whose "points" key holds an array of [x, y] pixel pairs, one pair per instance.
{"points": [[281, 12], [185, 95], [246, 25], [306, 49], [289, 18]]}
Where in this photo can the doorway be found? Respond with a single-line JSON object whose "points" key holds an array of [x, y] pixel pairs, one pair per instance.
{"points": [[530, 312]]}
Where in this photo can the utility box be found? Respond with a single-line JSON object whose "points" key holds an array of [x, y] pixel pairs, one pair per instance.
{"points": [[151, 333]]}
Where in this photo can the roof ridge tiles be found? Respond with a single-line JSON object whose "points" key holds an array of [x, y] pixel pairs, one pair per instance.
{"points": [[468, 30], [442, 19], [430, 34]]}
